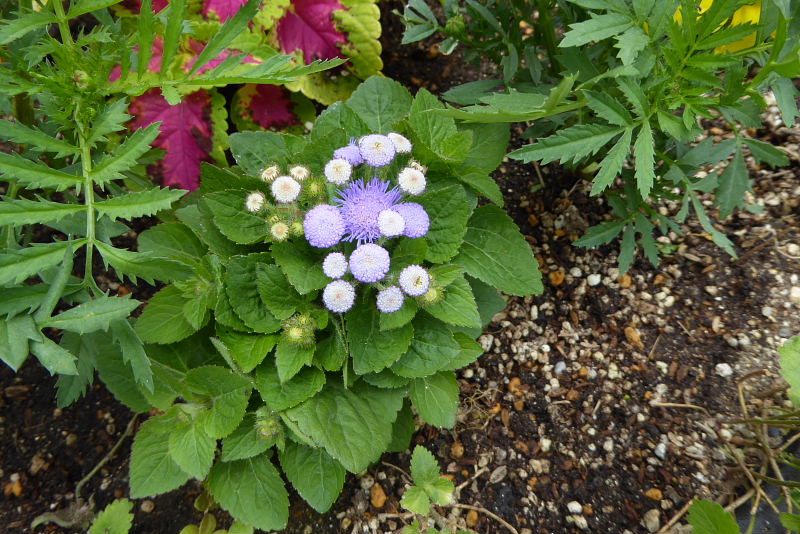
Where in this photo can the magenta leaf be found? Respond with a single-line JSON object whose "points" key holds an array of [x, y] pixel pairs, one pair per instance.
{"points": [[185, 134], [309, 27], [267, 106], [222, 9]]}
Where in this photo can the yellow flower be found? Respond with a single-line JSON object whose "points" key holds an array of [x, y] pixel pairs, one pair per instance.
{"points": [[743, 15]]}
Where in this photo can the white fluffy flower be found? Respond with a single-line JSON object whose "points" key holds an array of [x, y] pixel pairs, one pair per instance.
{"points": [[401, 144], [414, 280], [339, 296], [338, 171], [270, 173], [299, 172], [279, 231], [390, 300], [335, 265], [391, 223], [285, 189], [412, 181], [255, 201]]}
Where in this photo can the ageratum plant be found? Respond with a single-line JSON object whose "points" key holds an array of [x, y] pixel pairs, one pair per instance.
{"points": [[339, 280]]}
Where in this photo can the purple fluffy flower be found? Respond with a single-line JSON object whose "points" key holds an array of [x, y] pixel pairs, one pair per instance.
{"points": [[369, 263], [415, 217], [339, 296], [360, 205], [390, 299], [414, 280], [377, 150], [323, 226], [350, 153]]}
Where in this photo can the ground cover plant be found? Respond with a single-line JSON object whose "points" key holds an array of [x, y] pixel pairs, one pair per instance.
{"points": [[621, 95], [335, 277]]}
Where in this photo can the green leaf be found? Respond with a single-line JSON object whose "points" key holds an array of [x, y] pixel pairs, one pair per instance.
{"points": [[448, 212], [116, 518], [470, 351], [120, 377], [93, 315], [241, 286], [597, 28], [19, 265], [233, 220], [628, 249], [630, 43], [255, 150], [495, 252], [785, 95], [35, 139], [244, 442], [139, 204], [55, 359], [403, 429], [380, 102], [142, 264], [125, 156], [228, 394], [404, 315], [790, 367], [174, 241], [232, 28], [482, 184], [152, 469], [489, 300], [247, 350], [611, 165], [82, 7], [790, 522], [386, 379], [734, 182], [416, 500], [172, 33], [111, 118], [644, 153], [601, 234], [20, 211], [146, 26], [371, 348], [162, 320], [34, 175], [276, 291], [192, 449], [571, 144], [458, 306], [290, 358], [252, 491], [767, 153], [436, 399], [431, 349], [316, 476], [436, 136], [331, 352], [608, 108], [22, 25], [14, 300], [489, 145], [302, 265], [360, 21], [353, 425], [14, 336], [281, 396], [708, 517]]}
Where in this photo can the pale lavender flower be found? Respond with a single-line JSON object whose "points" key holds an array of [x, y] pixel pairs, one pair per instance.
{"points": [[414, 280], [401, 144], [323, 226], [390, 223], [415, 217], [412, 181], [335, 265], [350, 153], [390, 299], [377, 150], [369, 263], [339, 296], [361, 204]]}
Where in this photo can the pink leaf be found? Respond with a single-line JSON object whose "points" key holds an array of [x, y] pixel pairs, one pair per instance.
{"points": [[268, 106], [185, 133], [153, 66], [222, 9], [309, 27]]}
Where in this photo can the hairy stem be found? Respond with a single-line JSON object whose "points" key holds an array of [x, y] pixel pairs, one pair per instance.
{"points": [[63, 23], [88, 198]]}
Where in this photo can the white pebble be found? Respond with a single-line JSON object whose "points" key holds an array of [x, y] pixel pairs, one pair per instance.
{"points": [[723, 369], [574, 507], [575, 272], [593, 279], [560, 368], [794, 295], [661, 450]]}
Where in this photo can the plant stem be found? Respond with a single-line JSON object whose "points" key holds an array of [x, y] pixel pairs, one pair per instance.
{"points": [[545, 25], [88, 197], [63, 23]]}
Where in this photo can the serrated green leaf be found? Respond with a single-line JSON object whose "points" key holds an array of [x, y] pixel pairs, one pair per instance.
{"points": [[162, 320], [241, 286], [142, 264], [386, 379], [630, 43], [401, 317], [628, 248], [436, 399], [36, 139], [571, 144], [371, 348], [226, 34], [14, 300], [172, 32], [608, 108], [22, 25], [290, 358], [152, 469], [247, 350], [790, 367], [488, 298], [734, 182], [116, 518], [15, 334], [644, 154], [708, 517], [139, 204], [122, 374], [280, 395], [125, 156], [228, 394], [416, 500], [192, 449], [244, 442], [233, 220], [611, 165], [470, 351], [494, 251], [252, 491], [93, 315], [380, 102], [255, 150], [19, 265], [316, 476], [448, 212], [360, 21], [786, 98], [302, 265], [458, 306], [767, 153], [331, 352], [174, 241], [19, 211], [597, 28], [146, 25], [35, 175], [435, 136], [431, 349], [111, 118], [280, 297]]}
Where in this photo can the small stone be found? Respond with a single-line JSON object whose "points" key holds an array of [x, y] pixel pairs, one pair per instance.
{"points": [[377, 496], [654, 494], [723, 369], [651, 520], [513, 385], [367, 482], [71, 440], [575, 272], [712, 290], [613, 371], [560, 368], [633, 337], [608, 445], [472, 518], [661, 450], [545, 444], [148, 506], [793, 249], [38, 464], [457, 450], [625, 281], [556, 278], [574, 507], [593, 279], [580, 522], [794, 295], [498, 474]]}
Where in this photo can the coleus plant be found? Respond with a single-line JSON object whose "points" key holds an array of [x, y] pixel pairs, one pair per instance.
{"points": [[339, 280], [195, 130]]}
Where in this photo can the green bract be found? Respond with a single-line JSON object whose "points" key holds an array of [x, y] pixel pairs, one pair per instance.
{"points": [[247, 353]]}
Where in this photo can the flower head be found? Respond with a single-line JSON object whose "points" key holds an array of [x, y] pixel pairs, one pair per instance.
{"points": [[270, 172], [390, 223], [339, 296], [412, 181], [299, 172], [338, 171], [285, 189], [323, 226], [279, 231], [255, 201], [390, 299], [335, 265], [349, 153], [369, 263], [414, 280], [377, 150], [361, 204], [401, 144], [416, 218]]}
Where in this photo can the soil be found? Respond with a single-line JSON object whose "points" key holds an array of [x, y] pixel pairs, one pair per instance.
{"points": [[603, 405]]}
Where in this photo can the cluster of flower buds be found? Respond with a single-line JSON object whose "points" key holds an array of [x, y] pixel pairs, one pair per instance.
{"points": [[369, 212], [299, 329]]}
